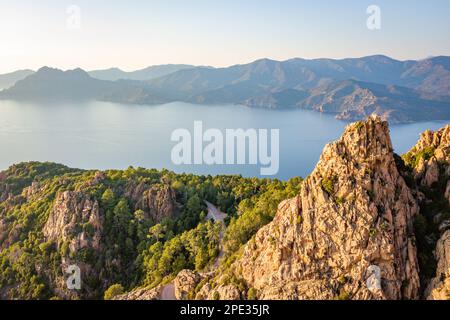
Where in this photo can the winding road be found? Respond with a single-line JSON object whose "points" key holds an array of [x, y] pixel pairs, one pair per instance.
{"points": [[216, 215], [168, 291]]}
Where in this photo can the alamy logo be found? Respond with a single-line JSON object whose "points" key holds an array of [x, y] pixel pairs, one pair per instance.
{"points": [[374, 19], [74, 280], [374, 279], [236, 146], [73, 21]]}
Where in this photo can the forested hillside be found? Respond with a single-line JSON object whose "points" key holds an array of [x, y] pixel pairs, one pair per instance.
{"points": [[129, 228]]}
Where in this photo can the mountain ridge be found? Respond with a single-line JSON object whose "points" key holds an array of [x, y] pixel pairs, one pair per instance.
{"points": [[352, 89], [144, 74], [54, 84], [9, 79]]}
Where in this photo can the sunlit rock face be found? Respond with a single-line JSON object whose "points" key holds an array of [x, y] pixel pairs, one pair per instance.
{"points": [[430, 159]]}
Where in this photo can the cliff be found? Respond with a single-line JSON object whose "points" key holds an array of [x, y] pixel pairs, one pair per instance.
{"points": [[157, 201], [75, 225], [429, 161]]}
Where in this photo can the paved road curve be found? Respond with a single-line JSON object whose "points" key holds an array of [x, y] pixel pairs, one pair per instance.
{"points": [[216, 215], [168, 292]]}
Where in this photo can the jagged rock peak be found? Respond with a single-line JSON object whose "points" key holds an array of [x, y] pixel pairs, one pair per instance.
{"points": [[434, 139], [430, 160], [439, 287], [70, 210], [352, 220], [75, 224], [157, 201], [364, 139]]}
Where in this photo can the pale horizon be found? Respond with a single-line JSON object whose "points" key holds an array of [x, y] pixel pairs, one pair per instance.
{"points": [[130, 37]]}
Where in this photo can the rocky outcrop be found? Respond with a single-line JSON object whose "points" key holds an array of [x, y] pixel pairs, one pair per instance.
{"points": [[157, 201], [185, 283], [430, 161], [75, 225], [354, 214], [5, 188], [222, 292], [438, 140], [430, 158], [76, 220], [439, 288], [33, 190], [142, 294]]}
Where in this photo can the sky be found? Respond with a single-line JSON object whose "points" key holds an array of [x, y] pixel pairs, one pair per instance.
{"points": [[134, 34]]}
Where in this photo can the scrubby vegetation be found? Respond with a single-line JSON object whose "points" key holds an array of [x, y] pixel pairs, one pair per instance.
{"points": [[193, 249], [412, 158], [328, 184], [113, 291], [258, 210]]}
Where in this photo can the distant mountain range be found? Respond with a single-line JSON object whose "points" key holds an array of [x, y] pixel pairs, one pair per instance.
{"points": [[9, 79], [149, 73], [54, 84], [112, 74], [401, 91]]}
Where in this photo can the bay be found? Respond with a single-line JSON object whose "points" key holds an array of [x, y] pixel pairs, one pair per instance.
{"points": [[102, 135]]}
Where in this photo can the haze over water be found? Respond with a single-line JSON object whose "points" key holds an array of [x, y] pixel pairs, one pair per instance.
{"points": [[100, 135]]}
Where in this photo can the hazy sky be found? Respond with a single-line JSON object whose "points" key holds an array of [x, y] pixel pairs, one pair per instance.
{"points": [[134, 34]]}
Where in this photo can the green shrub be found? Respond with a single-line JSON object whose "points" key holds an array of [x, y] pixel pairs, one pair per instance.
{"points": [[412, 159], [373, 232], [371, 194], [343, 295], [342, 279], [216, 295], [113, 291], [64, 250], [89, 229], [252, 294], [328, 184]]}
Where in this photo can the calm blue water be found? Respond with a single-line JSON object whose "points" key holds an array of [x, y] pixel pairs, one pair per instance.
{"points": [[99, 135]]}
